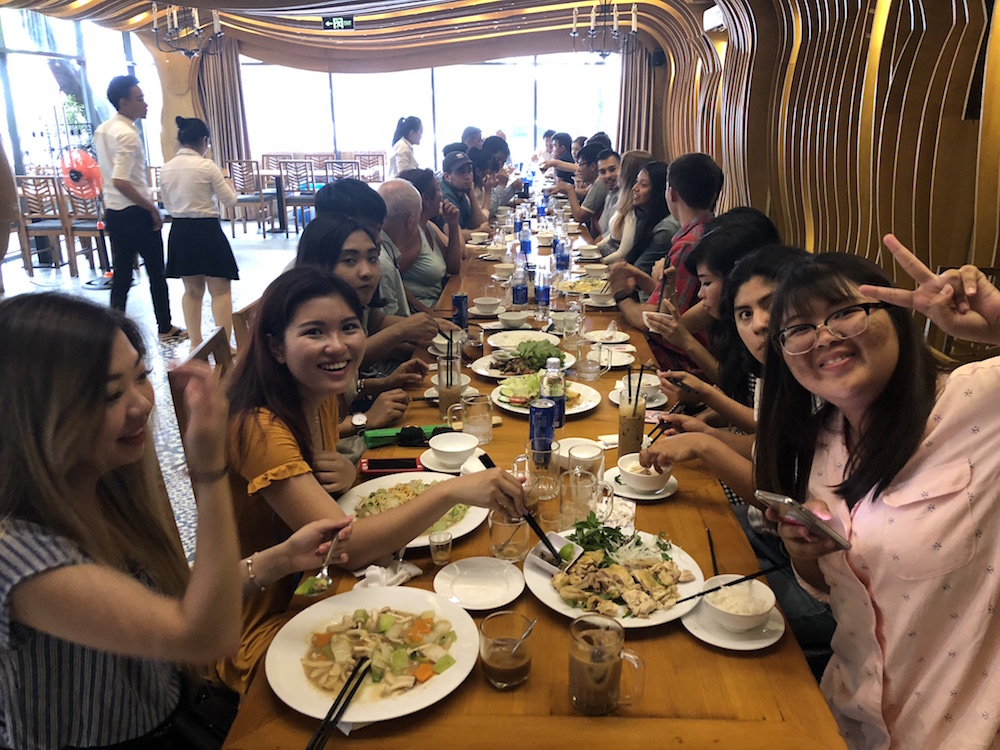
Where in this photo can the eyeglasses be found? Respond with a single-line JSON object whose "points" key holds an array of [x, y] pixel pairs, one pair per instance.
{"points": [[844, 324]]}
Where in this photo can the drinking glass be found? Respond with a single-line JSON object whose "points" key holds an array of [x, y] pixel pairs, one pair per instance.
{"points": [[440, 545], [498, 634], [580, 494], [550, 520], [475, 412], [596, 652], [449, 383], [538, 469], [631, 421], [587, 457], [510, 538], [592, 360]]}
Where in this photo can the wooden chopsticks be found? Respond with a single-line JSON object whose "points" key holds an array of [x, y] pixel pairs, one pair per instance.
{"points": [[333, 716]]}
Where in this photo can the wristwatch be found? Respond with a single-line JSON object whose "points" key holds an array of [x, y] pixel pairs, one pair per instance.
{"points": [[360, 422]]}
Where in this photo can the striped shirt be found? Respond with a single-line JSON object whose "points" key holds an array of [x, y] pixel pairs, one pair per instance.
{"points": [[55, 693]]}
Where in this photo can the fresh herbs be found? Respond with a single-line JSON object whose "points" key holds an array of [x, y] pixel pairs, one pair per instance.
{"points": [[592, 535]]}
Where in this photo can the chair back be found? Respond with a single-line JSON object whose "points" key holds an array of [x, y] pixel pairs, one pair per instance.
{"points": [[245, 174], [41, 198], [338, 169], [84, 209], [272, 161], [372, 165], [215, 351], [298, 176], [319, 159], [242, 320]]}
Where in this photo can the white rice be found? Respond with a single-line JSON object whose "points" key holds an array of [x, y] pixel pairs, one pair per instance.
{"points": [[739, 600]]}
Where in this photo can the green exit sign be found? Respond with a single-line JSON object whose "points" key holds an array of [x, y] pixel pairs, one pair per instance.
{"points": [[338, 23]]}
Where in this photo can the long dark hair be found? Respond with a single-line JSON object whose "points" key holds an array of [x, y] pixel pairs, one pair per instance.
{"points": [[736, 362], [324, 238], [405, 126], [790, 424], [655, 211], [259, 380]]}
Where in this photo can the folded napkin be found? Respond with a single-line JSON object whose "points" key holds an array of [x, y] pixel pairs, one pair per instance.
{"points": [[394, 574]]}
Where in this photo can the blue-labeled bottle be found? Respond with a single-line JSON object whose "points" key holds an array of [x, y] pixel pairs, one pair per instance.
{"points": [[543, 290], [519, 283], [525, 237], [553, 387]]}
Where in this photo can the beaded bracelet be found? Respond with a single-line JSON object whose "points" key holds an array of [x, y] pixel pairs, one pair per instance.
{"points": [[250, 573]]}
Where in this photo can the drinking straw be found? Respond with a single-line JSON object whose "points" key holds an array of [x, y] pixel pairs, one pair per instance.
{"points": [[638, 387], [451, 345], [629, 381]]}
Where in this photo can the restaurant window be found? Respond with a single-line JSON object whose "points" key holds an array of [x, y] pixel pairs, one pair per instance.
{"points": [[578, 94]]}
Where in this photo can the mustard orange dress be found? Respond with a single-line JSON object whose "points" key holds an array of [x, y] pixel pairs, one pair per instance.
{"points": [[269, 453]]}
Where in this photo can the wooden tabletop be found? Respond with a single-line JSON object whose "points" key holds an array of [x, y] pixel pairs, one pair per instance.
{"points": [[696, 695]]}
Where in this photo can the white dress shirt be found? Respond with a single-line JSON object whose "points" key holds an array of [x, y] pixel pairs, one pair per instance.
{"points": [[402, 157], [193, 186], [121, 157]]}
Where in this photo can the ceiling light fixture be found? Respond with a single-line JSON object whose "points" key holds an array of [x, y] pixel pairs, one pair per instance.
{"points": [[185, 34], [605, 35]]}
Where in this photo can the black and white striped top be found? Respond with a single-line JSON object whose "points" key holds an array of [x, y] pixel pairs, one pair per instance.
{"points": [[55, 693]]}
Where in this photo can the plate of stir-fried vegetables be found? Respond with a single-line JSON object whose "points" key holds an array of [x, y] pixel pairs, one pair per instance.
{"points": [[421, 645]]}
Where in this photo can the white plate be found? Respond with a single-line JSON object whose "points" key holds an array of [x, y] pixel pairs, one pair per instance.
{"points": [[482, 366], [479, 583], [540, 585], [592, 303], [590, 399], [433, 392], [603, 337], [498, 277], [473, 465], [702, 626], [432, 464], [510, 339], [615, 397], [463, 380], [618, 359], [473, 517], [288, 679], [475, 312], [496, 325], [611, 475]]}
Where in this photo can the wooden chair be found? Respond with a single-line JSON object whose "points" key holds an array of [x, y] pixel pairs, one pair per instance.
{"points": [[299, 179], [337, 169], [247, 182], [241, 326], [319, 159], [86, 221], [216, 352], [372, 165], [273, 161], [43, 214], [957, 349]]}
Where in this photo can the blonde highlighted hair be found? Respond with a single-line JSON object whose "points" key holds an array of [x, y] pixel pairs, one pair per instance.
{"points": [[632, 164], [55, 354]]}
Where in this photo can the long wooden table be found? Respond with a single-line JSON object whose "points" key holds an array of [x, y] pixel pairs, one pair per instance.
{"points": [[696, 695]]}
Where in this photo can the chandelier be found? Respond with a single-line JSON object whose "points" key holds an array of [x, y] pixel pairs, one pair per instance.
{"points": [[605, 36], [185, 34]]}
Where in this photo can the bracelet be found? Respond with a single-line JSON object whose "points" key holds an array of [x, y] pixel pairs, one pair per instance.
{"points": [[250, 573], [208, 477], [624, 295], [361, 386]]}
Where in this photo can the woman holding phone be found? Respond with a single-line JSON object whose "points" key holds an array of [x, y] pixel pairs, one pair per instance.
{"points": [[860, 422]]}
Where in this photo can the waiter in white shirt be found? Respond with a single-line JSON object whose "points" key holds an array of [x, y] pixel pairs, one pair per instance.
{"points": [[133, 219]]}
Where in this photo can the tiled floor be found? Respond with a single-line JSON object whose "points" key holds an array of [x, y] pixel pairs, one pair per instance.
{"points": [[260, 261]]}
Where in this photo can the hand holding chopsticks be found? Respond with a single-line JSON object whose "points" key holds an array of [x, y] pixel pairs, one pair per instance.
{"points": [[333, 716]]}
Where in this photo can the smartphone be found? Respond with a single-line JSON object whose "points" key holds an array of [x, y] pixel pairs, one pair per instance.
{"points": [[796, 513], [681, 384], [389, 465]]}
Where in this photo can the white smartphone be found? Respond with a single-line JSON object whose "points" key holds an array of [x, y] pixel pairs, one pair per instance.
{"points": [[796, 513]]}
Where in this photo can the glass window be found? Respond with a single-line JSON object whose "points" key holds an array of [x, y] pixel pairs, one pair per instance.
{"points": [[41, 105], [156, 131], [286, 109], [32, 32], [367, 107], [104, 50], [591, 84]]}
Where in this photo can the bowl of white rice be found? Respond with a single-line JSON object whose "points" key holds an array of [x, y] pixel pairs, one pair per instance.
{"points": [[738, 608]]}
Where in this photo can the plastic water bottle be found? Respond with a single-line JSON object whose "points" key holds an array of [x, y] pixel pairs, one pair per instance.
{"points": [[553, 387], [525, 237], [519, 283], [543, 288]]}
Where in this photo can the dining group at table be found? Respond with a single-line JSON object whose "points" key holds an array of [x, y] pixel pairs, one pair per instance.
{"points": [[756, 364]]}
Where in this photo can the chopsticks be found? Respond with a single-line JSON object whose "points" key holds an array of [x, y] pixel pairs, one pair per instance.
{"points": [[758, 574], [333, 716], [541, 535], [711, 551], [486, 461]]}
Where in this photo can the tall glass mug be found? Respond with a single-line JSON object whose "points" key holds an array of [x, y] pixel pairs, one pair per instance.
{"points": [[538, 470], [592, 360], [596, 653], [631, 422], [449, 383], [580, 494], [475, 412], [587, 457]]}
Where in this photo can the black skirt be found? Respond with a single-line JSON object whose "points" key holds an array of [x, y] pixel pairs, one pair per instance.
{"points": [[199, 247]]}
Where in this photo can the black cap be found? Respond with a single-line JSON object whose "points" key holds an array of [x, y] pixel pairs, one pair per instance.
{"points": [[455, 160]]}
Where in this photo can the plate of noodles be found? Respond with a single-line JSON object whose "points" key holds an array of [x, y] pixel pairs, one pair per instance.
{"points": [[390, 491]]}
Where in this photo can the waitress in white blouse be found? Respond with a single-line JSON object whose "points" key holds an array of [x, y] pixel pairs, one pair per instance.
{"points": [[198, 252], [409, 131]]}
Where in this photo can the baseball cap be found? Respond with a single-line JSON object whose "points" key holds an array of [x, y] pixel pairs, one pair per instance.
{"points": [[455, 160]]}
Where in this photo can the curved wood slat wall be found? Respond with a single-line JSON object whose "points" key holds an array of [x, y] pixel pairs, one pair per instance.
{"points": [[842, 119]]}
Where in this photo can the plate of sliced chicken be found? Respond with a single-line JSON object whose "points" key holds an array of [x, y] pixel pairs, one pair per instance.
{"points": [[636, 584]]}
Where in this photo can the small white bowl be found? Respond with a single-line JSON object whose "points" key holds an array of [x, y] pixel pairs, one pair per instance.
{"points": [[487, 305], [602, 298], [652, 482], [545, 238], [503, 270], [479, 237], [648, 315], [503, 210], [559, 319], [572, 227], [595, 270], [539, 556], [589, 251], [512, 319], [440, 343], [649, 387], [453, 449], [464, 380], [736, 623]]}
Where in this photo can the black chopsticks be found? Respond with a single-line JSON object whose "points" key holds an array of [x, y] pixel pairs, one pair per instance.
{"points": [[758, 574], [333, 716], [486, 461], [541, 535], [711, 551]]}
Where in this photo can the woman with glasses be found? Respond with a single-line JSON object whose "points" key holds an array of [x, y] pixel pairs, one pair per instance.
{"points": [[859, 422]]}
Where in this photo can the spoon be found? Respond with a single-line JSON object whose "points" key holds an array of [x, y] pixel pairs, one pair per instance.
{"points": [[526, 634], [319, 583]]}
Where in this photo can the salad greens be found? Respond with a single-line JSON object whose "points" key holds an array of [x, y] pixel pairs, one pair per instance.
{"points": [[593, 536], [534, 353]]}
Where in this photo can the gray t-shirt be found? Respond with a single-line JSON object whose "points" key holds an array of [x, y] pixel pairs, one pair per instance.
{"points": [[594, 201], [610, 203], [390, 288]]}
